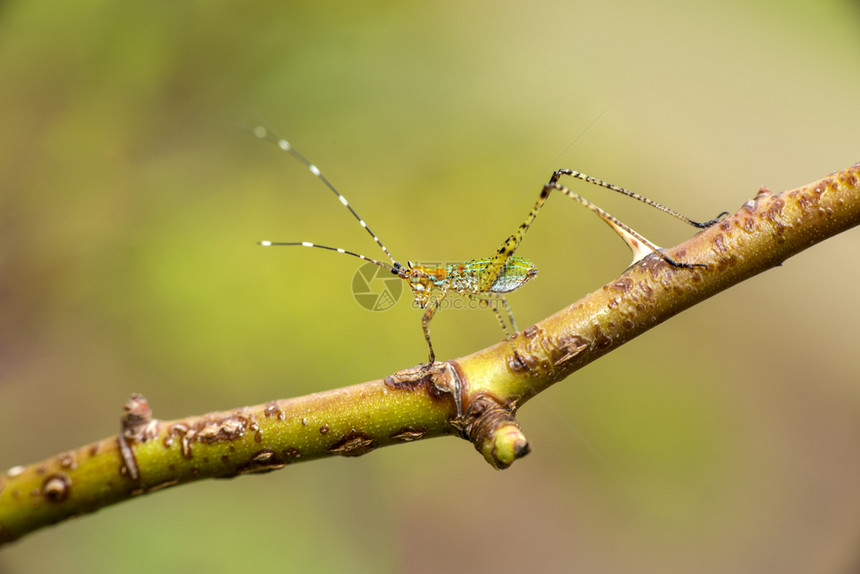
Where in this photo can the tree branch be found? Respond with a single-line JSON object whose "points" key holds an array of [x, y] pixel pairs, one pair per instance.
{"points": [[475, 397]]}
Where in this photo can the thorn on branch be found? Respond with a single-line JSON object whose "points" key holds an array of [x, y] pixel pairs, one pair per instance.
{"points": [[136, 426]]}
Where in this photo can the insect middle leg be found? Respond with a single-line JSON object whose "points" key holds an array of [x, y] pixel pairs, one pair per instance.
{"points": [[491, 300]]}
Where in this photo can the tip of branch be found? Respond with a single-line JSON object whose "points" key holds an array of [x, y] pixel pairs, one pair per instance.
{"points": [[494, 431], [506, 444]]}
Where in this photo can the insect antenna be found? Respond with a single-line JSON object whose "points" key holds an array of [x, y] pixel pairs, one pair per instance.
{"points": [[268, 134], [394, 269]]}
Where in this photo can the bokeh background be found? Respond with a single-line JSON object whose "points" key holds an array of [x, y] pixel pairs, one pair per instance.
{"points": [[725, 440]]}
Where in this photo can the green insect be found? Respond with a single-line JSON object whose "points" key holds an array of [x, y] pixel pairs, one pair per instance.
{"points": [[486, 280]]}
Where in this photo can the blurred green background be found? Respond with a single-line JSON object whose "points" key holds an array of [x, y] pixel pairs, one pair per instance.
{"points": [[130, 202]]}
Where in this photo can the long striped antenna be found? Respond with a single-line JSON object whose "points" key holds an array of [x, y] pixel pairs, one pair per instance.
{"points": [[266, 134], [395, 269]]}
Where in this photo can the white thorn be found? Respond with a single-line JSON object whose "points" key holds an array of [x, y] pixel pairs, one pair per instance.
{"points": [[266, 243], [343, 200], [307, 244], [314, 170], [341, 251], [362, 223], [284, 144], [260, 132]]}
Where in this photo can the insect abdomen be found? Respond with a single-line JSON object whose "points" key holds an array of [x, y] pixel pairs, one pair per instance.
{"points": [[517, 271]]}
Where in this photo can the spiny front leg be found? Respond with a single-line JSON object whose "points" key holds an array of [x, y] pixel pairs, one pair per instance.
{"points": [[425, 323]]}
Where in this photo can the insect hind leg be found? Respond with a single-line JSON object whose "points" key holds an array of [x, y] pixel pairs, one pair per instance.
{"points": [[618, 189], [640, 246]]}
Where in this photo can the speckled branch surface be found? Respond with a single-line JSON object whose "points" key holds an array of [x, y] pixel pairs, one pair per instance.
{"points": [[475, 397]]}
